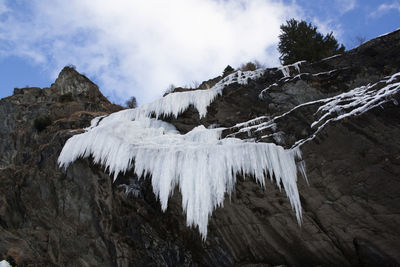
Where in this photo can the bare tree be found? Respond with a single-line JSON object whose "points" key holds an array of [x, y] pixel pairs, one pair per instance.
{"points": [[258, 64], [248, 66], [170, 89], [131, 103], [359, 40], [194, 85]]}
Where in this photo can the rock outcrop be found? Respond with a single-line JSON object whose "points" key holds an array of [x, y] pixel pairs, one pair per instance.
{"points": [[79, 217]]}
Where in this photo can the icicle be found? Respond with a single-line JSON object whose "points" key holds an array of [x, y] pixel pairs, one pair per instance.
{"points": [[286, 68], [202, 165], [176, 103]]}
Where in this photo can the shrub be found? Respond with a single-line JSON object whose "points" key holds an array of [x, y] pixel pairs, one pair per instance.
{"points": [[249, 66], [41, 122], [302, 41], [131, 103], [71, 66], [228, 70], [193, 85], [359, 40], [169, 89]]}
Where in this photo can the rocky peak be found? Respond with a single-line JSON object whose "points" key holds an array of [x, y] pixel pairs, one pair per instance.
{"points": [[28, 107], [69, 86], [71, 82]]}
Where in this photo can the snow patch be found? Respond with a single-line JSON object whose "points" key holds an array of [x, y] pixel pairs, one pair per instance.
{"points": [[175, 104], [354, 102], [261, 95], [382, 35], [250, 122], [393, 78], [325, 73], [4, 263], [358, 100], [286, 75], [327, 58]]}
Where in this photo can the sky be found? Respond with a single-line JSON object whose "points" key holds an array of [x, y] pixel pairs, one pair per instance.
{"points": [[139, 48]]}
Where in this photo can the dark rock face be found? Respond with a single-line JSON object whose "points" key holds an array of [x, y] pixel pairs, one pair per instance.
{"points": [[79, 217]]}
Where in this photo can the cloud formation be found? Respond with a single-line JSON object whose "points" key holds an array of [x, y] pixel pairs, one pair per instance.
{"points": [[345, 6], [383, 8], [140, 47]]}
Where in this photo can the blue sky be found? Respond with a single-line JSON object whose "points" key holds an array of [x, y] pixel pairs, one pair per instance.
{"points": [[141, 47]]}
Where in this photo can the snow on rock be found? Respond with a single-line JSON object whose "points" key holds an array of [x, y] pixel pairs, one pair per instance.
{"points": [[250, 122], [393, 78], [4, 263], [382, 35], [286, 76], [261, 95], [264, 122], [176, 103], [286, 69], [352, 103], [200, 163], [359, 100], [355, 102], [327, 58]]}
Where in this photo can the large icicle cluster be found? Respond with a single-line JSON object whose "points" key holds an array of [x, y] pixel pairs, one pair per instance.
{"points": [[200, 163]]}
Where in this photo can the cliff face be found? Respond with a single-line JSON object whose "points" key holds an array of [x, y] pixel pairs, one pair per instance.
{"points": [[351, 208]]}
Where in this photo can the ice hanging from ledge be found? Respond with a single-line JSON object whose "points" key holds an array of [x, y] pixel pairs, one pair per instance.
{"points": [[200, 163]]}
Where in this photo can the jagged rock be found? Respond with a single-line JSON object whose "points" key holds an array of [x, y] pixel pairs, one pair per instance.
{"points": [[79, 217], [69, 82]]}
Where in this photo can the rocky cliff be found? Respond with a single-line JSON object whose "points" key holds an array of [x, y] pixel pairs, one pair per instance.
{"points": [[341, 111]]}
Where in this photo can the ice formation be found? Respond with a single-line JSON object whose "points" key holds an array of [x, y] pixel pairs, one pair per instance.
{"points": [[352, 103], [355, 102], [286, 76], [176, 103], [327, 58], [286, 68], [4, 263], [202, 165]]}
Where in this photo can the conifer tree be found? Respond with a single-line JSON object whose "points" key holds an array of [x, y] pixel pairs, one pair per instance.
{"points": [[228, 70], [302, 41]]}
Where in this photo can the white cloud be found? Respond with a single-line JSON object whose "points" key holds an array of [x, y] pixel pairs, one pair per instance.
{"points": [[3, 7], [383, 8], [345, 6], [139, 47], [327, 26]]}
